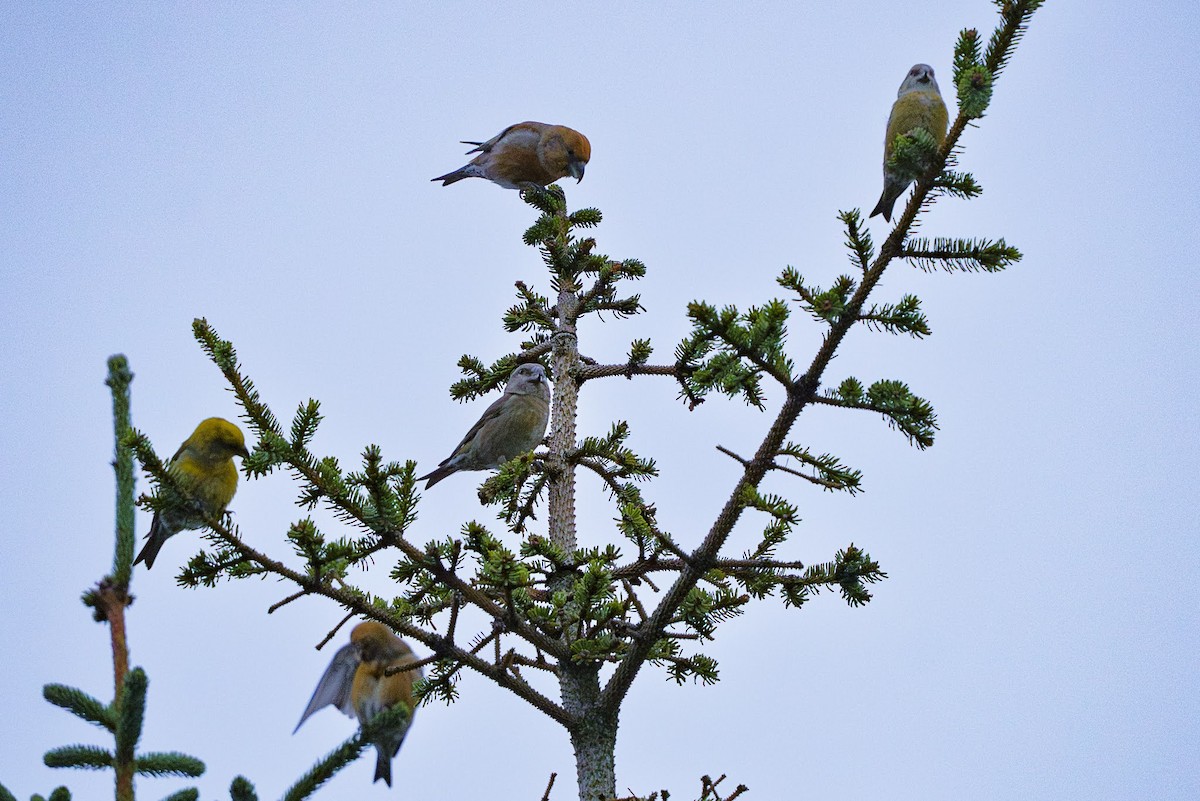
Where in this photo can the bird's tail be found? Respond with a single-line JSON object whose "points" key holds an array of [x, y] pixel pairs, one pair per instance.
{"points": [[437, 475], [154, 543], [891, 191], [383, 766], [453, 177]]}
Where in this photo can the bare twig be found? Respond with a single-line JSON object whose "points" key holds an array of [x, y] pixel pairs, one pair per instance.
{"points": [[279, 604], [549, 785], [637, 604], [333, 632], [733, 455]]}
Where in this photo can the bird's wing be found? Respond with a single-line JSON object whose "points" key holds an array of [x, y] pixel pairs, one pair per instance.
{"points": [[334, 687], [490, 414], [531, 130]]}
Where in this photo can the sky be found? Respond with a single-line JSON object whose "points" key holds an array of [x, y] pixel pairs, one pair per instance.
{"points": [[267, 166]]}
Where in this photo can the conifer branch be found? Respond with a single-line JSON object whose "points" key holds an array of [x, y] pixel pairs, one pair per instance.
{"points": [[918, 424], [186, 794], [354, 600], [911, 415], [960, 254], [590, 371], [89, 757], [169, 763], [240, 789], [79, 703], [904, 317], [328, 766], [345, 503], [858, 239], [119, 379]]}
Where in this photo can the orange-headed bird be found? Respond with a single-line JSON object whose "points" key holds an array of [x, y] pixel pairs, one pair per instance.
{"points": [[526, 153], [356, 683]]}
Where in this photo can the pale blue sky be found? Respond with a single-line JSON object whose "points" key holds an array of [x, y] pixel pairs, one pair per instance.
{"points": [[268, 167]]}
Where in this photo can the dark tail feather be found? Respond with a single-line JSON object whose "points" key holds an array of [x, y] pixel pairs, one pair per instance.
{"points": [[452, 177], [383, 766], [154, 542], [437, 475], [888, 200]]}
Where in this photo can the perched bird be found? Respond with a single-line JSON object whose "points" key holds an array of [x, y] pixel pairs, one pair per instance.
{"points": [[918, 105], [526, 153], [203, 467], [513, 425], [356, 683]]}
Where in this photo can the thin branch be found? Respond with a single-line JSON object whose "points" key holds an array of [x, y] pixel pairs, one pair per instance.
{"points": [[537, 351], [333, 632], [801, 392], [590, 371], [821, 482], [549, 785], [453, 617], [732, 455], [641, 568], [392, 670], [280, 604], [309, 473], [362, 606], [540, 663], [637, 604]]}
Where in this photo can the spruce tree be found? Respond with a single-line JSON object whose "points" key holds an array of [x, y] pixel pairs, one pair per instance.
{"points": [[542, 615]]}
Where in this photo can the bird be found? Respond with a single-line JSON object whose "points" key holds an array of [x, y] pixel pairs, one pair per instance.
{"points": [[528, 153], [514, 424], [918, 105], [356, 682], [204, 470]]}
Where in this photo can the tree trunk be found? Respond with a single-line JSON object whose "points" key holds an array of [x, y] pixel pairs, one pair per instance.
{"points": [[594, 737], [594, 734]]}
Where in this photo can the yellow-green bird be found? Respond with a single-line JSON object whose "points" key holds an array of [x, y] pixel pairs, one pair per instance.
{"points": [[511, 426], [918, 105], [204, 469]]}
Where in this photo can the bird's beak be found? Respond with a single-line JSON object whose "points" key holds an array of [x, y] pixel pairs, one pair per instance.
{"points": [[243, 452], [576, 168]]}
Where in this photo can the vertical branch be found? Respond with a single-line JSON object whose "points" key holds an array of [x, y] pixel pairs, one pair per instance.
{"points": [[112, 594], [564, 362], [119, 379], [593, 732]]}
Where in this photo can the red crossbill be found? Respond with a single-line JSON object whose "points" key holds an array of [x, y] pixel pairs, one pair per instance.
{"points": [[526, 153], [356, 683], [204, 469], [511, 426], [918, 105]]}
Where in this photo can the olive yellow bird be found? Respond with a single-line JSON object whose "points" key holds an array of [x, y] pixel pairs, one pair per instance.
{"points": [[526, 153], [918, 105], [356, 682], [204, 469], [514, 424]]}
